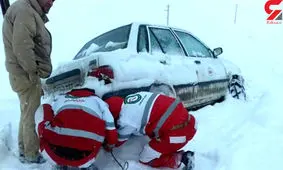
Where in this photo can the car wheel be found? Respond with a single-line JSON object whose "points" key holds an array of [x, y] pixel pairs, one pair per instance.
{"points": [[163, 89], [236, 87]]}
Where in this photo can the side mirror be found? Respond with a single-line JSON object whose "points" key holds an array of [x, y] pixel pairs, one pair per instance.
{"points": [[217, 51]]}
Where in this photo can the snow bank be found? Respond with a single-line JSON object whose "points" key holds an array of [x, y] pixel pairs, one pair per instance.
{"points": [[5, 140]]}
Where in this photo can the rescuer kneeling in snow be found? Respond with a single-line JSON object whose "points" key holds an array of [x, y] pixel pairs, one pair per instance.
{"points": [[163, 119], [73, 128]]}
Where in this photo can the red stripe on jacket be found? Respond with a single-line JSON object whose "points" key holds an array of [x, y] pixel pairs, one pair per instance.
{"points": [[162, 103]]}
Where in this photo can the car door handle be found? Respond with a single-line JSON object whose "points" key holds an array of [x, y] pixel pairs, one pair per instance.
{"points": [[197, 62]]}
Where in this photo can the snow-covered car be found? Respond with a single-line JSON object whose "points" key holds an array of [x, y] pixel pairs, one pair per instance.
{"points": [[145, 57]]}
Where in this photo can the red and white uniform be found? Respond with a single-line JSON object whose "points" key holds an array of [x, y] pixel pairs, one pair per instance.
{"points": [[163, 119], [78, 120]]}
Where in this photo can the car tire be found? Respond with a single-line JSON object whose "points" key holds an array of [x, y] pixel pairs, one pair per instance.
{"points": [[163, 89], [236, 87]]}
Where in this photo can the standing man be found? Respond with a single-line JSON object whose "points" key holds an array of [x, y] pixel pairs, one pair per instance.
{"points": [[27, 45], [163, 119]]}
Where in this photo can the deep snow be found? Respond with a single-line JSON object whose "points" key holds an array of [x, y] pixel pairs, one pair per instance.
{"points": [[243, 135]]}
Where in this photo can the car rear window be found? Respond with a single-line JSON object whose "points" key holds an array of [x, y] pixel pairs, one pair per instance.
{"points": [[109, 41]]}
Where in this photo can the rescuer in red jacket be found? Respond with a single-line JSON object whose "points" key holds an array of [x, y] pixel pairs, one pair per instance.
{"points": [[163, 119], [73, 128]]}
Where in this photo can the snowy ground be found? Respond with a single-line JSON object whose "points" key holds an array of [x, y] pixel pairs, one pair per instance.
{"points": [[244, 135]]}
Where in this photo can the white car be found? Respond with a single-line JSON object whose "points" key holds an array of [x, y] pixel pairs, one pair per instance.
{"points": [[145, 57]]}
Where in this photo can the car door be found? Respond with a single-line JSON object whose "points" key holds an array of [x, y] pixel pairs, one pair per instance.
{"points": [[181, 75], [211, 73]]}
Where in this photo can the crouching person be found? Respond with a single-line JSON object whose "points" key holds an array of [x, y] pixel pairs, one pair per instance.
{"points": [[163, 119], [73, 128]]}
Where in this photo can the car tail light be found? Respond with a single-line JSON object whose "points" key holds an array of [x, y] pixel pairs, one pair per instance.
{"points": [[103, 73]]}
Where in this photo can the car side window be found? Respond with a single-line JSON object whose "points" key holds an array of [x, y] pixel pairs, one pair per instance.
{"points": [[165, 40], [109, 41], [142, 39], [155, 46], [193, 47]]}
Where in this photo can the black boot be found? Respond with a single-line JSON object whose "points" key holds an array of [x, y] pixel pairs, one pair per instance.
{"points": [[188, 160], [36, 160], [22, 158]]}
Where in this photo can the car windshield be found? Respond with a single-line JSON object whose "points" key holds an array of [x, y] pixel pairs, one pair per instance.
{"points": [[109, 41]]}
